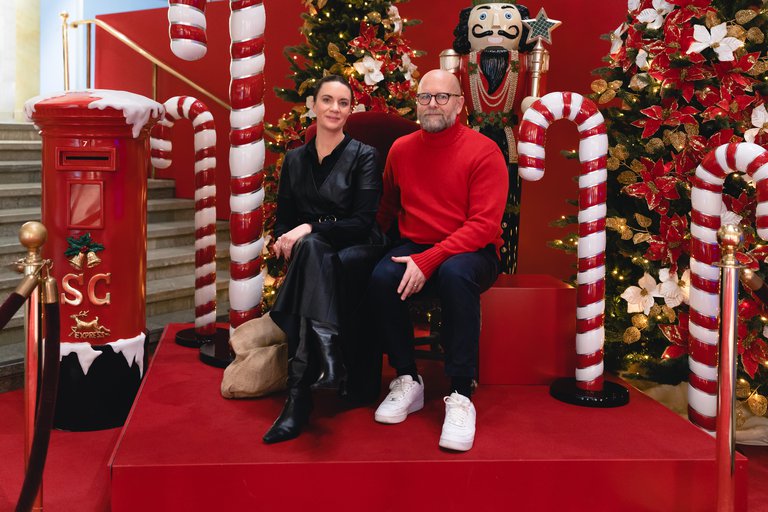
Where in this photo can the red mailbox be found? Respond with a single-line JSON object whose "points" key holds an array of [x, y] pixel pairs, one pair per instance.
{"points": [[95, 159]]}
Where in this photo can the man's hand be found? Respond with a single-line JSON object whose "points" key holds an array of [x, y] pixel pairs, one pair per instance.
{"points": [[413, 279], [284, 244]]}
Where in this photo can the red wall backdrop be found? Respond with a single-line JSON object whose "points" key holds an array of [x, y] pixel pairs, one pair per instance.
{"points": [[577, 50]]}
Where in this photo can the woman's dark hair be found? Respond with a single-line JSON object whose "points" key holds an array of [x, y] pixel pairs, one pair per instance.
{"points": [[461, 32], [333, 78]]}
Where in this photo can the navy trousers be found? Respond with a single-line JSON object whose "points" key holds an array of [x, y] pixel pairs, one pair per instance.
{"points": [[457, 283]]}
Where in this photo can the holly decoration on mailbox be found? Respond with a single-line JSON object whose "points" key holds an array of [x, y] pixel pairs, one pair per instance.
{"points": [[81, 250]]}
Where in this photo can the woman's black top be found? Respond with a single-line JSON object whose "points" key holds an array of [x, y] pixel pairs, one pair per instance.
{"points": [[338, 197]]}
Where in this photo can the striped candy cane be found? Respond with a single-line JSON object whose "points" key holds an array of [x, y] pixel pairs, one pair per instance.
{"points": [[246, 159], [703, 323], [205, 198], [187, 28], [593, 147]]}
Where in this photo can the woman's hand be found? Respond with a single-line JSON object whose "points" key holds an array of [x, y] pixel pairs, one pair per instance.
{"points": [[284, 244]]}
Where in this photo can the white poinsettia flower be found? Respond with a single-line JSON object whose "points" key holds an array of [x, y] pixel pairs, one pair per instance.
{"points": [[632, 5], [759, 121], [640, 298], [655, 17], [394, 17], [727, 216], [616, 41], [723, 46], [310, 104], [642, 60], [675, 291], [370, 68], [408, 67]]}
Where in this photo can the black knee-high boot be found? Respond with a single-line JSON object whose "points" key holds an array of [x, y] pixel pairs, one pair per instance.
{"points": [[302, 371], [331, 360]]}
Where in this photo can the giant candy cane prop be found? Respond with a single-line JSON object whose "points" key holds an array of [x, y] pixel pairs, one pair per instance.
{"points": [[187, 28], [246, 156], [590, 389], [193, 109], [703, 323]]}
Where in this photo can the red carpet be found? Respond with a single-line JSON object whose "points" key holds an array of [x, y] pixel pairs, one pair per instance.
{"points": [[531, 453]]}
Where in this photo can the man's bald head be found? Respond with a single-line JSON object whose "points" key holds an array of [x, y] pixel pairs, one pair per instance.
{"points": [[440, 79], [434, 117]]}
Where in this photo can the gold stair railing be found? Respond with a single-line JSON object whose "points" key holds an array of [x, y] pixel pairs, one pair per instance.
{"points": [[109, 29]]}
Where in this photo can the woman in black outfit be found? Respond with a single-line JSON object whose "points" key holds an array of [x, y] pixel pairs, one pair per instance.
{"points": [[325, 227]]}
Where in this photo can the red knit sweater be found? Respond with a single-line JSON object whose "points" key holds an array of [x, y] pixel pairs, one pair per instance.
{"points": [[448, 190]]}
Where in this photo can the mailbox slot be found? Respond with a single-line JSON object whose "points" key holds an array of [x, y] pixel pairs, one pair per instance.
{"points": [[85, 159]]}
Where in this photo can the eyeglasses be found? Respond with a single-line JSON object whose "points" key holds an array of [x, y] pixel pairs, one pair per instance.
{"points": [[441, 98]]}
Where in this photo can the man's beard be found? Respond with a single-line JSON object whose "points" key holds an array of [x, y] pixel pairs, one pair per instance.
{"points": [[435, 123], [494, 62]]}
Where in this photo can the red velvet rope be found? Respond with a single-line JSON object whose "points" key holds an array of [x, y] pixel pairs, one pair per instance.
{"points": [[45, 410]]}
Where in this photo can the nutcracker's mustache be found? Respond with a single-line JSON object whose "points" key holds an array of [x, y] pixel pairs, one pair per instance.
{"points": [[493, 64], [502, 33]]}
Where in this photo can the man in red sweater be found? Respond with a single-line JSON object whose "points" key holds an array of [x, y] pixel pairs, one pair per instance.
{"points": [[447, 186]]}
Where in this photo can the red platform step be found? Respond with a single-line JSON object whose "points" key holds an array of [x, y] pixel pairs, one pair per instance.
{"points": [[528, 330], [186, 448]]}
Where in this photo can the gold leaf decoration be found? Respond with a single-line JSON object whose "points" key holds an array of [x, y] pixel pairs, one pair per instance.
{"points": [[619, 151], [305, 85], [755, 35], [745, 16], [637, 166], [627, 178], [374, 17], [612, 163], [640, 321], [607, 91], [737, 32], [642, 220], [655, 310], [654, 145], [334, 52], [639, 238], [669, 313], [631, 335], [321, 3]]}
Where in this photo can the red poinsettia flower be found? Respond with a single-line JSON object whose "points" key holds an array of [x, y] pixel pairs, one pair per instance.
{"points": [[696, 149], [657, 185], [678, 335], [367, 40], [733, 74], [731, 107], [753, 355], [681, 78], [743, 205], [671, 242], [689, 9], [656, 117]]}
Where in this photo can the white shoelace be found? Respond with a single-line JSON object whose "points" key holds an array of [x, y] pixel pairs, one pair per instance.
{"points": [[399, 388], [456, 412]]}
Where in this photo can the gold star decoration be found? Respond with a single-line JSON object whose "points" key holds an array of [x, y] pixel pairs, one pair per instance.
{"points": [[541, 27]]}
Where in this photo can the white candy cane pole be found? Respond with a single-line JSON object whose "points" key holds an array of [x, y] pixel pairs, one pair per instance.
{"points": [[703, 324], [246, 159], [187, 28], [593, 148], [193, 109]]}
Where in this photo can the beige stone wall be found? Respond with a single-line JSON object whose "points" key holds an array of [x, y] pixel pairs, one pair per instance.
{"points": [[27, 54]]}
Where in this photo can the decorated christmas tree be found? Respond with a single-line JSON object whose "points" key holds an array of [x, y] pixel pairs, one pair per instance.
{"points": [[683, 77], [361, 40]]}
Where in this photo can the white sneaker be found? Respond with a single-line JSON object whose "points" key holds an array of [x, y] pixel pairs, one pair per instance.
{"points": [[405, 396], [459, 425]]}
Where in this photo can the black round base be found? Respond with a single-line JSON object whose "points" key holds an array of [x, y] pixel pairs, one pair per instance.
{"points": [[189, 338], [612, 395], [217, 352]]}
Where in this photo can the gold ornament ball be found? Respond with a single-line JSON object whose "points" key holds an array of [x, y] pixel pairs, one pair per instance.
{"points": [[743, 389], [730, 236], [631, 335], [32, 235], [741, 417], [758, 404]]}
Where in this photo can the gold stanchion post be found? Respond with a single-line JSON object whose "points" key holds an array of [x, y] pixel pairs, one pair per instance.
{"points": [[731, 238], [32, 235]]}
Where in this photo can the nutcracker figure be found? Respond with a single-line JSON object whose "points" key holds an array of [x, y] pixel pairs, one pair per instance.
{"points": [[500, 61]]}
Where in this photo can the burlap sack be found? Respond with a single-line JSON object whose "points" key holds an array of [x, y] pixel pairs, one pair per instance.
{"points": [[261, 360]]}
